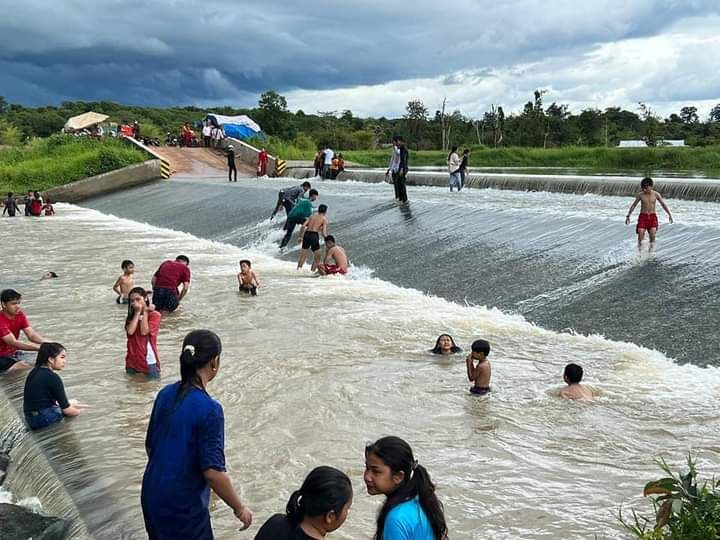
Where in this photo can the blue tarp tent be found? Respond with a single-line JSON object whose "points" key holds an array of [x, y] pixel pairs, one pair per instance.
{"points": [[239, 127]]}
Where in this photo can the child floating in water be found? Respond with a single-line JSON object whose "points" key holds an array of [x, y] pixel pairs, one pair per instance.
{"points": [[574, 390], [647, 220], [125, 282], [479, 373], [48, 208], [247, 278]]}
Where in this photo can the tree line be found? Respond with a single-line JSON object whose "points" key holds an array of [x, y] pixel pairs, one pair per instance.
{"points": [[537, 125]]}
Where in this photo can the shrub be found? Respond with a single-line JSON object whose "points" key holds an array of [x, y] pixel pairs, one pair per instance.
{"points": [[683, 510]]}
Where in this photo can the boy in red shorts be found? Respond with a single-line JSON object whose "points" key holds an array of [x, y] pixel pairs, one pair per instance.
{"points": [[336, 261], [647, 220]]}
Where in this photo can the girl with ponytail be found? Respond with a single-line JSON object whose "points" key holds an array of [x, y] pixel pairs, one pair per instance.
{"points": [[320, 506], [411, 510], [185, 445], [44, 399]]}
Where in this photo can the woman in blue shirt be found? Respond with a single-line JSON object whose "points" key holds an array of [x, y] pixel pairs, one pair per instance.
{"points": [[185, 448], [411, 510]]}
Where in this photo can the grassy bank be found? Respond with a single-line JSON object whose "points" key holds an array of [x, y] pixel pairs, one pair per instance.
{"points": [[701, 159], [59, 160]]}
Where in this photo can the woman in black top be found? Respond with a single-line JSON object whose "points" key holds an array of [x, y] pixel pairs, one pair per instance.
{"points": [[45, 402], [320, 506]]}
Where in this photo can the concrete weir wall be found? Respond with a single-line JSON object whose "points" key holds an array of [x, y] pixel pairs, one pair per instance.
{"points": [[248, 153], [134, 175], [698, 189]]}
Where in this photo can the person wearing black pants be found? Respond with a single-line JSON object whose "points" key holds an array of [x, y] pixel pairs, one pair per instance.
{"points": [[399, 181], [231, 163]]}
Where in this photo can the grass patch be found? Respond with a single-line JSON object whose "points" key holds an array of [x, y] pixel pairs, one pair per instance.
{"points": [[701, 159], [61, 159]]}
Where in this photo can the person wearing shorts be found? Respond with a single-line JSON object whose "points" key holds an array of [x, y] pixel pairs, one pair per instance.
{"points": [[12, 322], [647, 220], [335, 261], [166, 283], [310, 235]]}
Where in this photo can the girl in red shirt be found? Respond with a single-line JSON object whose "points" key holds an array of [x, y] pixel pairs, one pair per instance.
{"points": [[142, 326]]}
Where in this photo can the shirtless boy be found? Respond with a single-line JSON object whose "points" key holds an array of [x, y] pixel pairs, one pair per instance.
{"points": [[247, 278], [647, 220], [480, 372], [125, 282], [336, 261], [310, 233], [574, 390]]}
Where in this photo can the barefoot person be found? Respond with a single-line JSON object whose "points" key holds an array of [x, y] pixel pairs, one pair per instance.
{"points": [[12, 321], [125, 282], [186, 450], [336, 261], [44, 399], [247, 278], [572, 376], [319, 507], [142, 326], [411, 510], [647, 220], [310, 233], [478, 367], [171, 282]]}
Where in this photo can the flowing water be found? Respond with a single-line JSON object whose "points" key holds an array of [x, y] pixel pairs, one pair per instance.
{"points": [[312, 369]]}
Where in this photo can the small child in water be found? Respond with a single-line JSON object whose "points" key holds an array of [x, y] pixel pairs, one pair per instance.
{"points": [[247, 278], [574, 390], [125, 282], [48, 208], [480, 372]]}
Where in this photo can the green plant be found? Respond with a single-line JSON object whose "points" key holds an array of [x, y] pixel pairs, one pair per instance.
{"points": [[683, 509]]}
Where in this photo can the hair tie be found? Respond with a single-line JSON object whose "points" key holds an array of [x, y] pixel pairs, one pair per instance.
{"points": [[190, 348]]}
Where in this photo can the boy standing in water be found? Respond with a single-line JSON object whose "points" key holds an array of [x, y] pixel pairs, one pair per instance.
{"points": [[247, 278], [479, 373], [310, 235], [647, 220], [125, 282], [574, 390]]}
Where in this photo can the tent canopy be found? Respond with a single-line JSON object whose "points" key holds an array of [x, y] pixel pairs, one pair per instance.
{"points": [[85, 120], [239, 127]]}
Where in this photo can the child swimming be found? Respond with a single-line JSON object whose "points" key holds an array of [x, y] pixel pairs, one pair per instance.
{"points": [[572, 376], [125, 282]]}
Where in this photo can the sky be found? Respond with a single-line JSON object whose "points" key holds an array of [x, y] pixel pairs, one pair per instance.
{"points": [[369, 56]]}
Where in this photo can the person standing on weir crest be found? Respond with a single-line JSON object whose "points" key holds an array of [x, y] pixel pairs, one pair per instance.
{"points": [[328, 156], [262, 162], [231, 163], [402, 170], [394, 166]]}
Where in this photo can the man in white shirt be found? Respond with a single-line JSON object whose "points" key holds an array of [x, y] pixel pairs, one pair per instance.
{"points": [[206, 132], [327, 163]]}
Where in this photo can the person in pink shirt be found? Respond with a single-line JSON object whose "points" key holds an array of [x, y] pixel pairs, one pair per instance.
{"points": [[167, 282], [142, 326], [12, 321], [262, 163]]}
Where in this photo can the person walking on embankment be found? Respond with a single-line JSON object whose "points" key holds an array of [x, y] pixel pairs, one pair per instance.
{"points": [[231, 163]]}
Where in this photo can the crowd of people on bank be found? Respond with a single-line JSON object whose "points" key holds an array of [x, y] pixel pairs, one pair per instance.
{"points": [[33, 205], [328, 164]]}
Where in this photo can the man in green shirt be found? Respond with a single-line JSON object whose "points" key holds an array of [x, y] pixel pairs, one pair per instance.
{"points": [[297, 216]]}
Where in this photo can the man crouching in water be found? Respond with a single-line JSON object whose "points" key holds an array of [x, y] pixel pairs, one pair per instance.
{"points": [[336, 261]]}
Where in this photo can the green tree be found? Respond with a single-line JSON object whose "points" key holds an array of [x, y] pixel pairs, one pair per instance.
{"points": [[273, 110], [3, 105], [715, 113], [689, 115], [416, 116]]}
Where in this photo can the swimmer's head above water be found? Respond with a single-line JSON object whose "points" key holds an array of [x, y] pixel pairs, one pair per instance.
{"points": [[573, 374], [445, 344]]}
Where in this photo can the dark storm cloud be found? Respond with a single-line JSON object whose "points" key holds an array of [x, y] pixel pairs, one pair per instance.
{"points": [[182, 52]]}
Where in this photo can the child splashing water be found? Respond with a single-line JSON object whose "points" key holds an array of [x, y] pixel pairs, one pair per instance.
{"points": [[411, 510]]}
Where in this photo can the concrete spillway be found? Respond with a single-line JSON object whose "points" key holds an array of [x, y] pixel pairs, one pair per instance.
{"points": [[697, 189]]}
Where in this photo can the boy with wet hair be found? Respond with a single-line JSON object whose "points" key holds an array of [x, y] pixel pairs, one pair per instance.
{"points": [[479, 373], [310, 233], [125, 282], [12, 322], [647, 220], [574, 390], [247, 278]]}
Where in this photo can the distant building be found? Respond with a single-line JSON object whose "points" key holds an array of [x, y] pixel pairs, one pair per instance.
{"points": [[632, 144], [671, 142]]}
